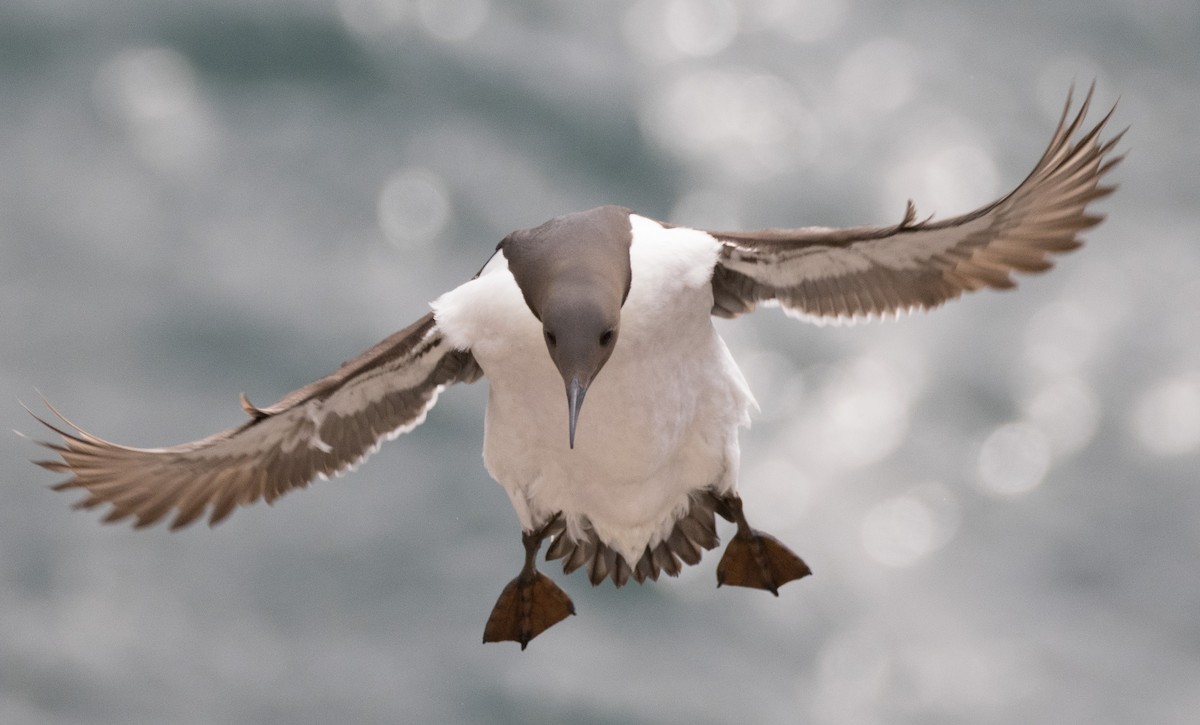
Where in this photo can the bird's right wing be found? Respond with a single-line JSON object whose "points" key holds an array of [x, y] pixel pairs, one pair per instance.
{"points": [[830, 275], [321, 429]]}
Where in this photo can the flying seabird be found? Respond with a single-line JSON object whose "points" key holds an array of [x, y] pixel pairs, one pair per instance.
{"points": [[616, 310]]}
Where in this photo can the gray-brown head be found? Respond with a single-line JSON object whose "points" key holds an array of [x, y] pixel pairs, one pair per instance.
{"points": [[574, 274]]}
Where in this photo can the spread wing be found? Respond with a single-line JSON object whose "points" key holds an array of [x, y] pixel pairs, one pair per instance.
{"points": [[321, 429], [831, 275]]}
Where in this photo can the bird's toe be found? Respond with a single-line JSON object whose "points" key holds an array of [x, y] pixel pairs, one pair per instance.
{"points": [[528, 606], [759, 561]]}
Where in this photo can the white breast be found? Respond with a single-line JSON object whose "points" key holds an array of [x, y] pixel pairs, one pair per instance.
{"points": [[659, 421]]}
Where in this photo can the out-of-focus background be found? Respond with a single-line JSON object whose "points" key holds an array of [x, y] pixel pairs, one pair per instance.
{"points": [[1000, 499]]}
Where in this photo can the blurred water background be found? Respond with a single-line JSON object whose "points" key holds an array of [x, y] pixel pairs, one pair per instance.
{"points": [[1000, 499]]}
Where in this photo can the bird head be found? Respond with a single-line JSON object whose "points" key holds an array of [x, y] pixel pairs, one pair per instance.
{"points": [[574, 273], [580, 333]]}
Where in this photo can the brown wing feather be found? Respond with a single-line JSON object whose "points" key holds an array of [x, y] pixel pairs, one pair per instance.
{"points": [[319, 430], [846, 274]]}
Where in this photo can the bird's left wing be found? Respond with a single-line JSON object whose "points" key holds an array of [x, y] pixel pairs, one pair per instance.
{"points": [[319, 430], [831, 275]]}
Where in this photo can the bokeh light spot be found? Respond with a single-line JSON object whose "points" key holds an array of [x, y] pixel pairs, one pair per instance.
{"points": [[859, 416], [953, 179], [413, 207], [1067, 411], [905, 529], [1061, 338], [746, 123], [152, 94], [1013, 459], [878, 76], [146, 85], [854, 669], [806, 21], [372, 18], [943, 165], [700, 27], [1166, 416], [452, 20], [790, 489], [966, 676]]}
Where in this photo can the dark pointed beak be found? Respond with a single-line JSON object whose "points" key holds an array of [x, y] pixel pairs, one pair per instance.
{"points": [[575, 393]]}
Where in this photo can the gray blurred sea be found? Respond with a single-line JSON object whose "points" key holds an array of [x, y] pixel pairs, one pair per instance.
{"points": [[1000, 499]]}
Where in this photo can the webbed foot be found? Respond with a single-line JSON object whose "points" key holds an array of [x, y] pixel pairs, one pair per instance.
{"points": [[756, 559], [531, 603]]}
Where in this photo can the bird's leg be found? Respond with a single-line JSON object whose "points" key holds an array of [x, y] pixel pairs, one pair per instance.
{"points": [[531, 603], [755, 559]]}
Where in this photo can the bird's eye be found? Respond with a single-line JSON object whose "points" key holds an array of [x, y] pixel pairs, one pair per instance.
{"points": [[606, 338], [551, 340]]}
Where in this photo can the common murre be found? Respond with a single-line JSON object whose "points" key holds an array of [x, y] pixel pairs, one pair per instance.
{"points": [[652, 412]]}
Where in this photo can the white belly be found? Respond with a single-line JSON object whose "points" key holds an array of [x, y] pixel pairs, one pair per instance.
{"points": [[659, 421]]}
